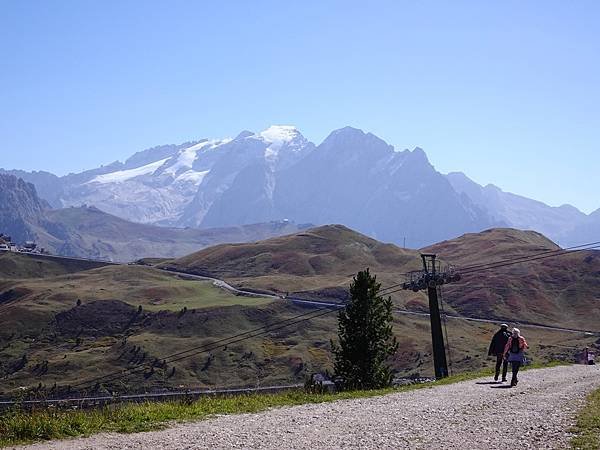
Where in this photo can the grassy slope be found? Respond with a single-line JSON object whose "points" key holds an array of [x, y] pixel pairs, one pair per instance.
{"points": [[44, 323], [562, 291], [16, 265], [326, 256], [279, 357], [18, 427], [100, 336], [587, 429]]}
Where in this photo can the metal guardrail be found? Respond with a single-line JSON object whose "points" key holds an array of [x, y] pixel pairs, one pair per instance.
{"points": [[88, 402]]}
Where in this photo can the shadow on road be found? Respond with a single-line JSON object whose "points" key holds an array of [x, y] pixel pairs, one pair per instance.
{"points": [[488, 382], [505, 386]]}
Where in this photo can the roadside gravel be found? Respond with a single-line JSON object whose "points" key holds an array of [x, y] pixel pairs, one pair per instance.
{"points": [[536, 414]]}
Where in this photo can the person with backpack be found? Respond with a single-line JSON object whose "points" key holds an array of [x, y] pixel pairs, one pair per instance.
{"points": [[515, 353], [497, 349]]}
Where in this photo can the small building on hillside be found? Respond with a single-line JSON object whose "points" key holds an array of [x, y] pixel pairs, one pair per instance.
{"points": [[29, 246]]}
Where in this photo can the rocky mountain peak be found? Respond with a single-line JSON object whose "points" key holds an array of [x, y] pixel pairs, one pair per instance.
{"points": [[21, 208]]}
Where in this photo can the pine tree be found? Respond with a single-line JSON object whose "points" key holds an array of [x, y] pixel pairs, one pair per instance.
{"points": [[366, 340]]}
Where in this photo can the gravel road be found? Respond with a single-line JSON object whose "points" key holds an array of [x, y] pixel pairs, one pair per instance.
{"points": [[471, 414]]}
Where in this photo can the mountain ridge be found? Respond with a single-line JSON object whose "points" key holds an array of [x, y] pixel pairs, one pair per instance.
{"points": [[352, 177], [91, 233], [558, 222]]}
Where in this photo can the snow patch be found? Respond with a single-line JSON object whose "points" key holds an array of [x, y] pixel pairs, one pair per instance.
{"points": [[124, 175], [187, 156], [278, 136], [191, 176]]}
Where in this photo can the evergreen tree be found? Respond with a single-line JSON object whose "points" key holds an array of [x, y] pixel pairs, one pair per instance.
{"points": [[366, 340]]}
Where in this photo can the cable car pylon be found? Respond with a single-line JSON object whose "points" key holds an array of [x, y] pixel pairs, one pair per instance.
{"points": [[429, 279]]}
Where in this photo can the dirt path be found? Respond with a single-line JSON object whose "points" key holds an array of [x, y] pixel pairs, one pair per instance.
{"points": [[472, 414]]}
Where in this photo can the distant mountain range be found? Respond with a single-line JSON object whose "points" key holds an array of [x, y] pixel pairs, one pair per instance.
{"points": [[88, 232], [564, 224], [352, 177]]}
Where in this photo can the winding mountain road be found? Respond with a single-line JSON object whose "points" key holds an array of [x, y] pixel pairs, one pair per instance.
{"points": [[474, 414], [324, 304]]}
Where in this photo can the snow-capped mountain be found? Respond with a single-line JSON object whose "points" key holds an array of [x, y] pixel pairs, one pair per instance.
{"points": [[353, 178], [172, 185], [241, 185]]}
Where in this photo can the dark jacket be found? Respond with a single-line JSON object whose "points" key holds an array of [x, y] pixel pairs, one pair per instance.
{"points": [[499, 342]]}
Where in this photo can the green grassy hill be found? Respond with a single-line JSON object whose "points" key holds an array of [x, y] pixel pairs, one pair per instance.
{"points": [[133, 314], [18, 265], [72, 326]]}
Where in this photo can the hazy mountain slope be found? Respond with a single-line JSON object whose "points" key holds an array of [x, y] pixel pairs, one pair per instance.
{"points": [[46, 183], [352, 177], [588, 231], [92, 233], [151, 186], [21, 210], [357, 179], [520, 212]]}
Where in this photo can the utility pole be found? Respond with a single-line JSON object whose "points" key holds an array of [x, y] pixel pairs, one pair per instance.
{"points": [[429, 279]]}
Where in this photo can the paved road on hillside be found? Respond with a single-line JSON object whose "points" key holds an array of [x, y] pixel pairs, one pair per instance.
{"points": [[536, 414], [320, 303]]}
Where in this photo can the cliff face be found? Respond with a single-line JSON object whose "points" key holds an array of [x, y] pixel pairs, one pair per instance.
{"points": [[21, 210]]}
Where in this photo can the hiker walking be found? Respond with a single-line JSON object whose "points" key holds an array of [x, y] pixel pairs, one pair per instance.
{"points": [[515, 353], [497, 349]]}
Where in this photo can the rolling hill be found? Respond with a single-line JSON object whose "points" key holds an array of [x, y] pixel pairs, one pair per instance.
{"points": [[74, 325], [318, 258], [564, 290], [132, 314], [17, 266]]}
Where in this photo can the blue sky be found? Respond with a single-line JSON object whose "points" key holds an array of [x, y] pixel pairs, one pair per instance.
{"points": [[507, 92]]}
